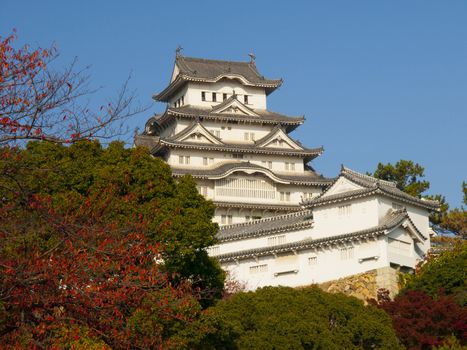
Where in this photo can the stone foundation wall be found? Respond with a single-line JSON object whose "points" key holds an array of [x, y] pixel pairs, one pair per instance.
{"points": [[365, 285]]}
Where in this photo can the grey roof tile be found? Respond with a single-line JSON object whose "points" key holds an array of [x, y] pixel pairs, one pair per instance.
{"points": [[372, 186], [275, 224], [309, 177], [390, 221]]}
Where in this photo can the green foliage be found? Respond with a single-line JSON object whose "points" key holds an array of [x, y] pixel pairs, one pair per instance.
{"points": [[177, 216], [286, 318], [446, 272], [406, 174]]}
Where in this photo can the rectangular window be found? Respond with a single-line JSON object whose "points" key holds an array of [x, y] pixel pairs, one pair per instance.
{"points": [[270, 164], [245, 99], [180, 159], [346, 253], [224, 97], [258, 268], [214, 250], [211, 160], [286, 166], [203, 190], [237, 156], [183, 100], [313, 260], [247, 218], [203, 96], [187, 159], [214, 97], [344, 210], [276, 240], [284, 196], [249, 136], [256, 218], [205, 160]]}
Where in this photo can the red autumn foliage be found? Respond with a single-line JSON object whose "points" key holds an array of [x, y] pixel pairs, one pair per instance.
{"points": [[64, 270], [422, 322], [37, 103]]}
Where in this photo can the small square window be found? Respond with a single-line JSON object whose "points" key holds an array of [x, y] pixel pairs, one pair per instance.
{"points": [[245, 99], [203, 96], [224, 97], [214, 97]]}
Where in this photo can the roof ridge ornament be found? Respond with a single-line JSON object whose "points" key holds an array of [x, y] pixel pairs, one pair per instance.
{"points": [[178, 51], [252, 58]]}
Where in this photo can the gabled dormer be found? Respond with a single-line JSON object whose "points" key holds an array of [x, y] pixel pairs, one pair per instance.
{"points": [[278, 138], [357, 201], [233, 106], [196, 133]]}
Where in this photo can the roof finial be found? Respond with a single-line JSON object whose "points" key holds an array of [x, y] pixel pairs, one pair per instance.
{"points": [[252, 57], [342, 167], [234, 95], [178, 51]]}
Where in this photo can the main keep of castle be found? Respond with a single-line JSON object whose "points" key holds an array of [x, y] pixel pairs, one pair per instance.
{"points": [[281, 223]]}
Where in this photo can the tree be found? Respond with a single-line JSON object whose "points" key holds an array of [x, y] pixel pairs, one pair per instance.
{"points": [[406, 174], [92, 245], [408, 177], [38, 103], [444, 274], [423, 322], [287, 318]]}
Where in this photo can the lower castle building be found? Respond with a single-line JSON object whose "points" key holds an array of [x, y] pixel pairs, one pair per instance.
{"points": [[281, 223], [357, 224]]}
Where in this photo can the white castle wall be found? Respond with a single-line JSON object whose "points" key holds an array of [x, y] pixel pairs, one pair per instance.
{"points": [[308, 266], [346, 217], [256, 96]]}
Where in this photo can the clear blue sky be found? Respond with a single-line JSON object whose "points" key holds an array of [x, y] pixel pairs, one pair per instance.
{"points": [[377, 81]]}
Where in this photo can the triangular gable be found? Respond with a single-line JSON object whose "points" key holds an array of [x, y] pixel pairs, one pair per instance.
{"points": [[175, 72], [279, 139], [197, 133], [342, 185], [233, 106], [406, 232]]}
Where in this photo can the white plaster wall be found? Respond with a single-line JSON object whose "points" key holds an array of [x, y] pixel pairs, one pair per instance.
{"points": [[329, 266], [235, 133], [238, 215], [277, 162], [363, 214], [182, 92], [256, 96], [263, 241], [398, 256], [419, 216]]}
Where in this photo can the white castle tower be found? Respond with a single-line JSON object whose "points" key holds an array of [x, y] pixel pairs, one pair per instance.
{"points": [[282, 223], [217, 128]]}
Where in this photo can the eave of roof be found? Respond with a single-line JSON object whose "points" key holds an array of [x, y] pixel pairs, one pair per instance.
{"points": [[390, 222], [258, 206], [372, 186], [308, 154], [266, 117], [276, 224], [231, 167]]}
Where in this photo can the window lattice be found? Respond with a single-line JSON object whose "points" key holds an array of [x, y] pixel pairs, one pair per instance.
{"points": [[241, 187]]}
